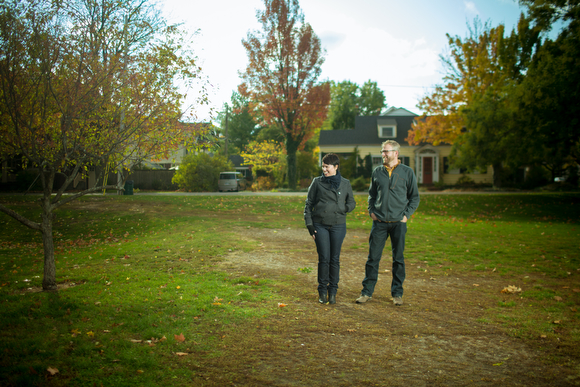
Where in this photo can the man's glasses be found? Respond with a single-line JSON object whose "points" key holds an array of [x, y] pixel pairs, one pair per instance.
{"points": [[388, 150]]}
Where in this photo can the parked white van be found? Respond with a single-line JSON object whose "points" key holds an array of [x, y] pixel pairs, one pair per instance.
{"points": [[231, 181]]}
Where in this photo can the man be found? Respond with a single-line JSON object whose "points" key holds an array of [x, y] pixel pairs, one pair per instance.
{"points": [[393, 198]]}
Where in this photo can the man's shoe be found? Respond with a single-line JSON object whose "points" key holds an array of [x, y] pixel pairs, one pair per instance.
{"points": [[362, 299], [322, 297], [332, 299], [398, 300]]}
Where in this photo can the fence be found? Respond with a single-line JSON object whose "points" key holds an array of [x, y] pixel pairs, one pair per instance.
{"points": [[154, 179]]}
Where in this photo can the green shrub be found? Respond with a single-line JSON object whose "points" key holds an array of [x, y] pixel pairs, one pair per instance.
{"points": [[200, 172], [360, 184], [465, 181], [536, 176]]}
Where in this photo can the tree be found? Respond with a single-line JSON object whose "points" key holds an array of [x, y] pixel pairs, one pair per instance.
{"points": [[473, 110], [199, 172], [371, 99], [241, 125], [348, 100], [282, 76], [87, 84], [343, 105], [549, 97], [266, 157]]}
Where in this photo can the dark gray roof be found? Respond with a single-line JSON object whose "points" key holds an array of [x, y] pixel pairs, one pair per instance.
{"points": [[365, 131]]}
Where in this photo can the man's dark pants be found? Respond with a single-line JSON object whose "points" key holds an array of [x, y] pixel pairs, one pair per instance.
{"points": [[378, 237]]}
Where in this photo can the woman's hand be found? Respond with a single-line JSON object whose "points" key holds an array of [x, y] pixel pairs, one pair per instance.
{"points": [[312, 231]]}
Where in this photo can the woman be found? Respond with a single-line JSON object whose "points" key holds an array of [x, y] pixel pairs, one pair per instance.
{"points": [[329, 199]]}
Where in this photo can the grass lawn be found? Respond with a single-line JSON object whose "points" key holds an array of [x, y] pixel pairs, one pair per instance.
{"points": [[145, 300]]}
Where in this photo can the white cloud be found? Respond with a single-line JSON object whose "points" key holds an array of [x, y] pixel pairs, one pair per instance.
{"points": [[470, 8]]}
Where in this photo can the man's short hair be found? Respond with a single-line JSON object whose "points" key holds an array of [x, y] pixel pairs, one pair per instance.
{"points": [[395, 145], [331, 159]]}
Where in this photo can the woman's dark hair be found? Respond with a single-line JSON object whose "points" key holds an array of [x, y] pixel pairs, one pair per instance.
{"points": [[331, 159]]}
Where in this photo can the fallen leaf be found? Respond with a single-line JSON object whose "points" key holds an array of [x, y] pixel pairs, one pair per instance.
{"points": [[511, 289], [576, 290], [52, 371], [557, 298], [179, 338], [136, 341], [351, 330], [476, 285], [91, 333], [557, 322], [280, 305], [543, 336], [181, 353]]}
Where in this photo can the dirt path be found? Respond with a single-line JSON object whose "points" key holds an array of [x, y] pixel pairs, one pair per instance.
{"points": [[438, 337]]}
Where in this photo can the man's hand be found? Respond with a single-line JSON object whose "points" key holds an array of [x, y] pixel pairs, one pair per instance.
{"points": [[373, 216], [404, 219]]}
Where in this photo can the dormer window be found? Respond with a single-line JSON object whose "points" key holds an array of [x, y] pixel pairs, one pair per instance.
{"points": [[387, 127]]}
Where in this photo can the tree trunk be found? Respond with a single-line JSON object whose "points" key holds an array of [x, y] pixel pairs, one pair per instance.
{"points": [[497, 175], [291, 149], [49, 280]]}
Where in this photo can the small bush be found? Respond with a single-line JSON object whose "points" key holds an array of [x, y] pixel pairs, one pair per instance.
{"points": [[465, 181], [264, 183], [536, 177], [360, 184], [200, 172]]}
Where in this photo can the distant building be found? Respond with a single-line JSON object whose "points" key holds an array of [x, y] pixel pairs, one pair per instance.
{"points": [[429, 162]]}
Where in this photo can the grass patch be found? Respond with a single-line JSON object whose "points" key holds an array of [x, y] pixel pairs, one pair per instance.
{"points": [[142, 284]]}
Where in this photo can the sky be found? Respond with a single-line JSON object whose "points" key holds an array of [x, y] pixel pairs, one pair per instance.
{"points": [[396, 44]]}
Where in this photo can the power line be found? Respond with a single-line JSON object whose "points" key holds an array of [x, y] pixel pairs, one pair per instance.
{"points": [[409, 86]]}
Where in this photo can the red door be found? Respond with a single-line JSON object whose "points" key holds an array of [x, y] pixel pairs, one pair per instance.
{"points": [[427, 170]]}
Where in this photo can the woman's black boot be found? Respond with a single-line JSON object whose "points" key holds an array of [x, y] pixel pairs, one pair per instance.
{"points": [[322, 297], [332, 298]]}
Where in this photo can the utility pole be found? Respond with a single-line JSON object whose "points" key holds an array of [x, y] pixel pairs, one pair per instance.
{"points": [[227, 112]]}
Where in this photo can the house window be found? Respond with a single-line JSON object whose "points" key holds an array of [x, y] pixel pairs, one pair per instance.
{"points": [[388, 131], [405, 160], [447, 169], [377, 160]]}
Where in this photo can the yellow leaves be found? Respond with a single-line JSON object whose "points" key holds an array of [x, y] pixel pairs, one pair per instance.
{"points": [[52, 371], [281, 305], [91, 334], [511, 289]]}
